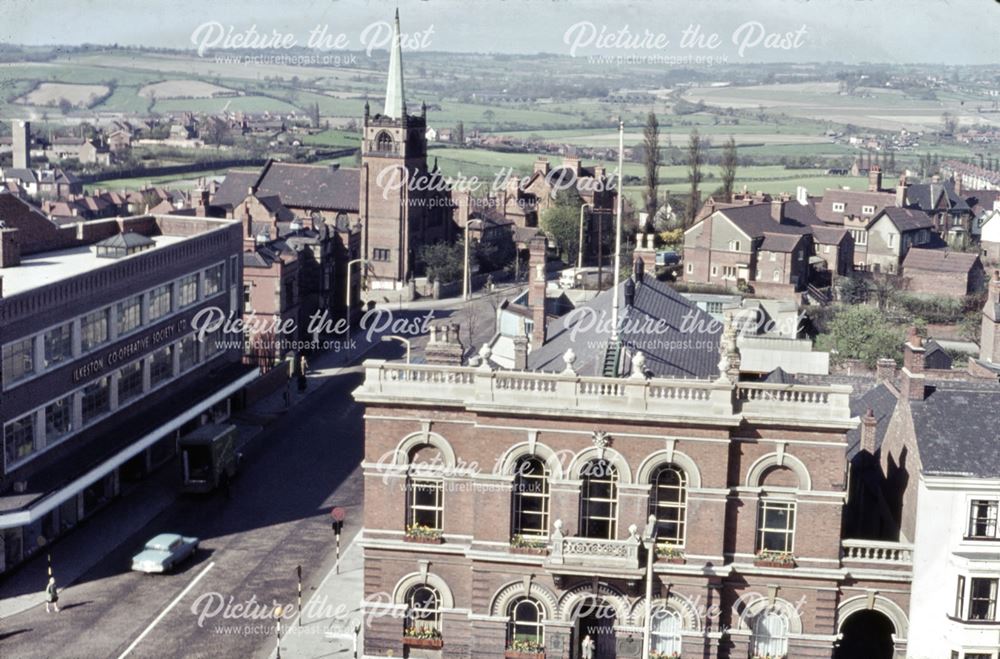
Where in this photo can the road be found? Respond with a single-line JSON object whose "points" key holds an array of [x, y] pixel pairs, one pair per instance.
{"points": [[276, 519]]}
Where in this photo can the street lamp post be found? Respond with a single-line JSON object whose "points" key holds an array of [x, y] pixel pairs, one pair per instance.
{"points": [[465, 279], [350, 264], [579, 245], [650, 554], [403, 340]]}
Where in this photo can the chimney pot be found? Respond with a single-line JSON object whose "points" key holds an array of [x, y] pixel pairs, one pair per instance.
{"points": [[777, 210], [868, 426]]}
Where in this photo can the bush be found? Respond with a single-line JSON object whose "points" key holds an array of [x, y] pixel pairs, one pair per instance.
{"points": [[932, 309], [863, 333]]}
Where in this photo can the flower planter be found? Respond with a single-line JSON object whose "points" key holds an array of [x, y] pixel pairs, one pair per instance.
{"points": [[531, 551], [422, 539], [673, 560], [517, 654], [778, 564], [432, 643]]}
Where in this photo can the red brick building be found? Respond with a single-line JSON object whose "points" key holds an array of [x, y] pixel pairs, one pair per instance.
{"points": [[514, 510]]}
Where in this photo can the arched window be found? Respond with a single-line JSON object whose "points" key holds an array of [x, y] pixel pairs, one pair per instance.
{"points": [[770, 635], [423, 608], [665, 628], [668, 502], [599, 500], [383, 142], [524, 629], [530, 498]]}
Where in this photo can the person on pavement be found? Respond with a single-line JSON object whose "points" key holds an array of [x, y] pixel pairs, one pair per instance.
{"points": [[51, 596]]}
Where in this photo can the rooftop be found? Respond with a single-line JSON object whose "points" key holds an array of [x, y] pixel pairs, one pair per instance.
{"points": [[955, 426], [49, 267]]}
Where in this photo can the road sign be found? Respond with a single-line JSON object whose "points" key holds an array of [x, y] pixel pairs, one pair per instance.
{"points": [[338, 514]]}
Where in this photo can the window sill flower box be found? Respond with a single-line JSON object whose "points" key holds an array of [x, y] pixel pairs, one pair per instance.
{"points": [[770, 656], [670, 554], [664, 655], [520, 544], [423, 534], [524, 650], [776, 559], [423, 637]]}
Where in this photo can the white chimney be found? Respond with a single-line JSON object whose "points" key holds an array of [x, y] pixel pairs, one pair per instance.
{"points": [[802, 195]]}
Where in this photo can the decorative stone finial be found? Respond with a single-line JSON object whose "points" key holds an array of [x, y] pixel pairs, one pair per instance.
{"points": [[638, 365], [569, 357], [484, 355]]}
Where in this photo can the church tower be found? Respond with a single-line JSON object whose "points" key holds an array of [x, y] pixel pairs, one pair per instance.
{"points": [[393, 155]]}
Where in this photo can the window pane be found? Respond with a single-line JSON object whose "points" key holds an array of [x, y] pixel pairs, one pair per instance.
{"points": [[187, 291], [58, 344], [213, 280], [94, 329], [96, 400], [129, 314], [58, 419], [159, 302], [18, 360], [19, 439]]}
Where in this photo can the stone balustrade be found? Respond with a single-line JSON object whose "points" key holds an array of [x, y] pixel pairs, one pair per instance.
{"points": [[877, 552], [597, 552], [717, 402]]}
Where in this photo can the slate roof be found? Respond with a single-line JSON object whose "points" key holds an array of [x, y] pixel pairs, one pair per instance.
{"points": [[927, 196], [956, 428], [755, 220], [234, 188], [853, 200], [907, 219], [299, 186], [828, 235], [685, 344], [780, 242], [939, 260], [881, 399], [981, 201]]}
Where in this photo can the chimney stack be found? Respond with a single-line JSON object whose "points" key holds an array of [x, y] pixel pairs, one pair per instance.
{"points": [[645, 252], [885, 371], [868, 426], [957, 179], [874, 179], [901, 192], [802, 195], [520, 353], [777, 210], [21, 134], [989, 337], [912, 379], [537, 251], [445, 346]]}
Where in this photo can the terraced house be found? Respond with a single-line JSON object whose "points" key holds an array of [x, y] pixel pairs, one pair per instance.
{"points": [[531, 511]]}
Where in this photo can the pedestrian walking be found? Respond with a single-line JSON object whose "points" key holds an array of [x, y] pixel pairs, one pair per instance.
{"points": [[51, 596], [303, 365], [587, 647]]}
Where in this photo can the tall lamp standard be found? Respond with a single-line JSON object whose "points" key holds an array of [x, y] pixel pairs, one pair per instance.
{"points": [[350, 264], [404, 341], [650, 541], [465, 279], [579, 245]]}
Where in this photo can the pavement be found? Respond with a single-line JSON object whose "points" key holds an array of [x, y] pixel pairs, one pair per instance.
{"points": [[331, 621]]}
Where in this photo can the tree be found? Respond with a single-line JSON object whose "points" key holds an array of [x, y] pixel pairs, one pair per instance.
{"points": [[460, 132], [443, 261], [949, 123], [562, 222], [892, 162], [853, 290], [313, 111], [729, 162], [860, 332], [695, 159], [651, 142]]}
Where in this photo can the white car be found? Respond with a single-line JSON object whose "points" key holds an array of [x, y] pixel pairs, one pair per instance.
{"points": [[163, 552]]}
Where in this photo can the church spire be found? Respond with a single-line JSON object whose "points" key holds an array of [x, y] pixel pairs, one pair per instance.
{"points": [[395, 104]]}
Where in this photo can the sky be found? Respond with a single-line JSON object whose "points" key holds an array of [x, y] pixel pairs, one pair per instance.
{"points": [[957, 32]]}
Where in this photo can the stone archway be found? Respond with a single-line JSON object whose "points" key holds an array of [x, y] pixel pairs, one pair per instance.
{"points": [[866, 633]]}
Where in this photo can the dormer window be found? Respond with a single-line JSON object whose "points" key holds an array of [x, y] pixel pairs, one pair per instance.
{"points": [[838, 207], [867, 210]]}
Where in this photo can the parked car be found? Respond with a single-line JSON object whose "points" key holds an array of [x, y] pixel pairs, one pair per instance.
{"points": [[163, 552]]}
